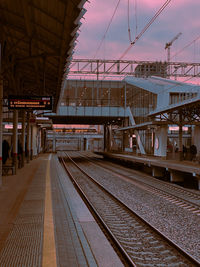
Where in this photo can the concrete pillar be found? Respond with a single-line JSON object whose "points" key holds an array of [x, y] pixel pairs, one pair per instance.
{"points": [[125, 136], [180, 143], [39, 140], [84, 143], [195, 138], [23, 137], [108, 138], [31, 151], [105, 137], [109, 143], [87, 144], [1, 120], [176, 176], [81, 144], [28, 137], [198, 184], [160, 143], [43, 140], [36, 140], [197, 176], [125, 140], [180, 138], [15, 139]]}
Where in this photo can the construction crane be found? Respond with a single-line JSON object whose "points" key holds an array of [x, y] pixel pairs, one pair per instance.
{"points": [[168, 45]]}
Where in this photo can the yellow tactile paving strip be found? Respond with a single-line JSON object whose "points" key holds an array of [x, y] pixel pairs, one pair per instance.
{"points": [[49, 249]]}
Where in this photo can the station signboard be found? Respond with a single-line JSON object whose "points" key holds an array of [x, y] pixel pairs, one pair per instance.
{"points": [[30, 102]]}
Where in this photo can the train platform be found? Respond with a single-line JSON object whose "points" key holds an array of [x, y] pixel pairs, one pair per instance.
{"points": [[44, 222], [159, 166]]}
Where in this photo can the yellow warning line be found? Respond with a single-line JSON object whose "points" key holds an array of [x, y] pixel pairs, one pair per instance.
{"points": [[49, 249]]}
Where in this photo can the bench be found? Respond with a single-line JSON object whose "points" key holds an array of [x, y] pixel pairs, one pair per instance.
{"points": [[6, 168]]}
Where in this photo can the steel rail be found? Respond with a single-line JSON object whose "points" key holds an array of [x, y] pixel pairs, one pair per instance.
{"points": [[156, 190], [166, 239], [100, 220]]}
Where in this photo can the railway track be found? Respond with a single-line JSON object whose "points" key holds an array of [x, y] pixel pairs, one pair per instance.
{"points": [[177, 195], [138, 242], [65, 225]]}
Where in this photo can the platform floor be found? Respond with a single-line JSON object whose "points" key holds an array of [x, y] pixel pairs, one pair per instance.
{"points": [[43, 221], [183, 166]]}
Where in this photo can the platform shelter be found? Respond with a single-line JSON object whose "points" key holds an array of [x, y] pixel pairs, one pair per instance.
{"points": [[36, 46], [160, 136]]}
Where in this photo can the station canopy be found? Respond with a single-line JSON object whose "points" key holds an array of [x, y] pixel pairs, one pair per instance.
{"points": [[37, 41]]}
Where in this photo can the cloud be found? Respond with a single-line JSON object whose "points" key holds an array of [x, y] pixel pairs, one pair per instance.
{"points": [[179, 16]]}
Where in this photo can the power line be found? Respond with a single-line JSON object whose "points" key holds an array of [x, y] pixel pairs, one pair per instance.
{"points": [[128, 16], [106, 29], [146, 27], [135, 9], [180, 51]]}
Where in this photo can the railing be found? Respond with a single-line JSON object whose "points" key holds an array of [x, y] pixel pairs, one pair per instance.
{"points": [[98, 111], [89, 102]]}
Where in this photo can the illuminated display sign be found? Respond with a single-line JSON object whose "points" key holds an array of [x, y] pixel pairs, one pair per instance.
{"points": [[30, 102]]}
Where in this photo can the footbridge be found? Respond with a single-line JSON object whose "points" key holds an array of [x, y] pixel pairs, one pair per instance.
{"points": [[93, 102], [91, 115], [126, 105]]}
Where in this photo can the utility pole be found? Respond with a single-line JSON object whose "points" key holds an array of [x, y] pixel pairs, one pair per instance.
{"points": [[168, 46]]}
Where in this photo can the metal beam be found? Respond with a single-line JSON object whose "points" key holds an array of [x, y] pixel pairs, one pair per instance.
{"points": [[66, 25], [127, 67], [34, 36], [29, 29], [46, 13]]}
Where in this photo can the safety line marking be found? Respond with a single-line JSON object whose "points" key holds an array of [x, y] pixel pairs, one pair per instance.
{"points": [[49, 248]]}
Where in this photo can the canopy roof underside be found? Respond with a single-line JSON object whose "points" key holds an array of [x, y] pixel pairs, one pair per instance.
{"points": [[37, 37]]}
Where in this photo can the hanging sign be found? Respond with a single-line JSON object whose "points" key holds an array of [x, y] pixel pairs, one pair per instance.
{"points": [[30, 102]]}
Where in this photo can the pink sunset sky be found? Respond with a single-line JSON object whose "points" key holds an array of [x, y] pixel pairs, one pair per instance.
{"points": [[179, 16]]}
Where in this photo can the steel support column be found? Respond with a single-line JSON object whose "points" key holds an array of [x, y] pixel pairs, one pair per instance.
{"points": [[180, 137], [110, 137], [105, 137], [1, 120], [15, 139], [31, 154], [28, 138], [54, 142], [23, 137]]}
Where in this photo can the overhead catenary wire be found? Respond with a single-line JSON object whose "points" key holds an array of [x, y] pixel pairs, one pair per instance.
{"points": [[128, 16], [104, 36], [180, 51], [146, 27], [136, 21]]}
